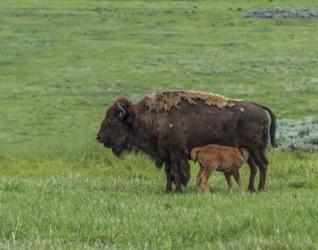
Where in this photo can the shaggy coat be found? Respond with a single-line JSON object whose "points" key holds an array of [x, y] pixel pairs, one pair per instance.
{"points": [[226, 159], [167, 125]]}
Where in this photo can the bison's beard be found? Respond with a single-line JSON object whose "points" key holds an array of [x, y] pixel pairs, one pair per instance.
{"points": [[119, 149]]}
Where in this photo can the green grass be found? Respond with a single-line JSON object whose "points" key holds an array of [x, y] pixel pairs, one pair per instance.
{"points": [[93, 200], [63, 62]]}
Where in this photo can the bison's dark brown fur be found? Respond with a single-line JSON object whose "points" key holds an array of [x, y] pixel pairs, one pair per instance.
{"points": [[168, 125]]}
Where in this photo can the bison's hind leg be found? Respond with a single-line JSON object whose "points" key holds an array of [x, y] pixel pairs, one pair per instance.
{"points": [[253, 172], [263, 171], [258, 157]]}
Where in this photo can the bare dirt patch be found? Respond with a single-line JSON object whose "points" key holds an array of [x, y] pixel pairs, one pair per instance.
{"points": [[298, 134], [283, 13]]}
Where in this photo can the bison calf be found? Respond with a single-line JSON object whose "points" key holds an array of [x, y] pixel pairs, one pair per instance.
{"points": [[221, 158]]}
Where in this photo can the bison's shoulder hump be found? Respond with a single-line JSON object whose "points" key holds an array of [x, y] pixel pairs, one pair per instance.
{"points": [[164, 101]]}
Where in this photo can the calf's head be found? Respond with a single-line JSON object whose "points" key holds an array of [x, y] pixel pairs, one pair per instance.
{"points": [[116, 130]]}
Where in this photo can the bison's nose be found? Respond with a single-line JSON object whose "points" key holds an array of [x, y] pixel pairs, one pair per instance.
{"points": [[99, 138]]}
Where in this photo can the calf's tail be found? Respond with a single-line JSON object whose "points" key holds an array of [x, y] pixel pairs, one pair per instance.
{"points": [[194, 154]]}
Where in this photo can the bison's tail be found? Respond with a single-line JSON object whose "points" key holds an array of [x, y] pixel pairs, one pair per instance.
{"points": [[272, 128]]}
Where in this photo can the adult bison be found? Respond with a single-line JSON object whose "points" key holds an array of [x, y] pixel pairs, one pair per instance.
{"points": [[168, 125]]}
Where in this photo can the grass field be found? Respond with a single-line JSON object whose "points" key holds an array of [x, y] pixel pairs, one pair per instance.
{"points": [[63, 62]]}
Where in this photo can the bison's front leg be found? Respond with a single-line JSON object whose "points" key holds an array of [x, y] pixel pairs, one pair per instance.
{"points": [[176, 174], [168, 177], [185, 173], [177, 182]]}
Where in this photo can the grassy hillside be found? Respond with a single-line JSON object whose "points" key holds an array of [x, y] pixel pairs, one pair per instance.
{"points": [[63, 62]]}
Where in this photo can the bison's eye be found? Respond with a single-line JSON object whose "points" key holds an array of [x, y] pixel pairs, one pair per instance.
{"points": [[109, 121]]}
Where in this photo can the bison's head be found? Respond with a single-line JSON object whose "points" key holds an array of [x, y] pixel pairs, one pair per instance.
{"points": [[117, 127]]}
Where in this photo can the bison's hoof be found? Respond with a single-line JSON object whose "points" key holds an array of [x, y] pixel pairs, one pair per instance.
{"points": [[179, 190], [168, 189], [159, 163], [251, 189], [261, 190]]}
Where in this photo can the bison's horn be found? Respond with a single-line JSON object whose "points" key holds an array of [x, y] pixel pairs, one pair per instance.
{"points": [[121, 108]]}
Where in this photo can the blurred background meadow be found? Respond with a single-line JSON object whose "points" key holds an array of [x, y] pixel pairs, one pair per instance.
{"points": [[63, 62]]}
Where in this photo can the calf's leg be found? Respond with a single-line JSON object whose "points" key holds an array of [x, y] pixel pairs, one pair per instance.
{"points": [[208, 172], [237, 178], [229, 182], [199, 177]]}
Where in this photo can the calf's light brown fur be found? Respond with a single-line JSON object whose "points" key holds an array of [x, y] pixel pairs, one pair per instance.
{"points": [[221, 158]]}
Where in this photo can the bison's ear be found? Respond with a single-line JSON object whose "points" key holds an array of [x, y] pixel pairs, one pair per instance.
{"points": [[121, 111], [125, 112]]}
